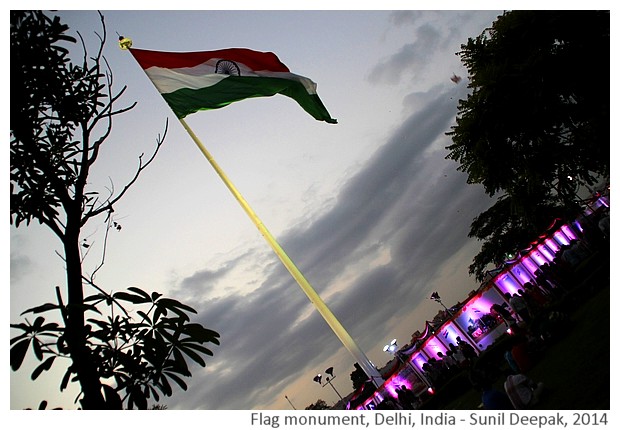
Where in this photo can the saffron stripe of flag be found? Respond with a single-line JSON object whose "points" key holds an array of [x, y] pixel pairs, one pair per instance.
{"points": [[193, 81]]}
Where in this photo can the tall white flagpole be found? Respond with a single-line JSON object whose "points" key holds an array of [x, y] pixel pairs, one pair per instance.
{"points": [[319, 304], [330, 318]]}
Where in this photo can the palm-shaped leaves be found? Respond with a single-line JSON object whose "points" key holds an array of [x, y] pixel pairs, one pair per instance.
{"points": [[142, 353]]}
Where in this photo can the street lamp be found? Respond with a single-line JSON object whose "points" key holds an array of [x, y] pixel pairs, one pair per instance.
{"points": [[435, 296], [291, 403], [391, 347], [328, 380]]}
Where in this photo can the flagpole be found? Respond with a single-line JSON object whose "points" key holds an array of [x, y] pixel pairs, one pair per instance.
{"points": [[319, 304], [332, 321]]}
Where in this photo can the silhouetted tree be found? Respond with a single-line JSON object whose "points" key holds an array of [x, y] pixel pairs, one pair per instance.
{"points": [[320, 404], [535, 126], [61, 115], [358, 377]]}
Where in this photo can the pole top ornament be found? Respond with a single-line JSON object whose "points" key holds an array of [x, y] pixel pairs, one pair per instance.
{"points": [[124, 42]]}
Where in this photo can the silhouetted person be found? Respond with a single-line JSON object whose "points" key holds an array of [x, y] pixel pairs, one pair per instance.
{"points": [[406, 397], [504, 314], [468, 351]]}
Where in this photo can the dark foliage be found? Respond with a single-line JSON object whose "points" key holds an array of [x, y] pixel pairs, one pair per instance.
{"points": [[535, 126]]}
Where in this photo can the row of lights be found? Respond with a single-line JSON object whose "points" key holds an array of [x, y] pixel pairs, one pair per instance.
{"points": [[391, 348]]}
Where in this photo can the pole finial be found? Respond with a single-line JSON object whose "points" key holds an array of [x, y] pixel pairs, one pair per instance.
{"points": [[124, 42]]}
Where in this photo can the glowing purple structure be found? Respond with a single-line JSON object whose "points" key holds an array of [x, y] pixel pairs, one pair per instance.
{"points": [[474, 322]]}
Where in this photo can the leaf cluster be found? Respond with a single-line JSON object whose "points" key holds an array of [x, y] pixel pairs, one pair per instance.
{"points": [[320, 404], [50, 98], [141, 355]]}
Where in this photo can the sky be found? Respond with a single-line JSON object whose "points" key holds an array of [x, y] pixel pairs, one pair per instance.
{"points": [[369, 209]]}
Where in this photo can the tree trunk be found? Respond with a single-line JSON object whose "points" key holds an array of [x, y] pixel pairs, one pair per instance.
{"points": [[84, 366]]}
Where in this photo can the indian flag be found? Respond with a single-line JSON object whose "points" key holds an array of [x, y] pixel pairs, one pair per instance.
{"points": [[193, 81]]}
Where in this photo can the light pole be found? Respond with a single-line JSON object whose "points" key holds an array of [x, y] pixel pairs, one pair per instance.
{"points": [[328, 380], [435, 296], [392, 348], [289, 400]]}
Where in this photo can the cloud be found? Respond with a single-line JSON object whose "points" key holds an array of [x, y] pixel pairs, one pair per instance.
{"points": [[204, 283], [260, 340], [404, 202], [20, 266], [368, 198], [405, 17], [411, 59], [432, 36]]}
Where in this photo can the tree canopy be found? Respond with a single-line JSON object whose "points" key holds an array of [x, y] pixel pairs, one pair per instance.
{"points": [[535, 125]]}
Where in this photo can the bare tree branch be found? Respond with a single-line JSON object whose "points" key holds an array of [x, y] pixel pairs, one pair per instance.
{"points": [[108, 205]]}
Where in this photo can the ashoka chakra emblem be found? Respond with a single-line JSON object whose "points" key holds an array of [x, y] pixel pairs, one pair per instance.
{"points": [[227, 67]]}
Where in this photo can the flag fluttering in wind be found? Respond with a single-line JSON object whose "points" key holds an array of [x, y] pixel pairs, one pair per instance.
{"points": [[193, 81]]}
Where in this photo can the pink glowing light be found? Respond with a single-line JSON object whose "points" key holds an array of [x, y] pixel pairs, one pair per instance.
{"points": [[418, 359], [545, 251], [603, 201], [483, 326], [433, 346], [394, 383], [569, 232], [538, 257], [529, 264], [520, 272], [552, 245], [507, 283], [450, 331], [561, 238]]}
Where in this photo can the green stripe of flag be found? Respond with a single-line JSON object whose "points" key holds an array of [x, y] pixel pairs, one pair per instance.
{"points": [[234, 88]]}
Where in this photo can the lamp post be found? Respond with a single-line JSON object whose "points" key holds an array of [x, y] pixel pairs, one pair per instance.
{"points": [[392, 348], [328, 380], [435, 296], [291, 403]]}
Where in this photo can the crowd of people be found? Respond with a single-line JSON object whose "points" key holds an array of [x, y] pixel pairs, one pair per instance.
{"points": [[534, 320], [457, 358]]}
